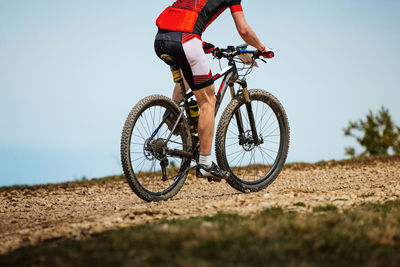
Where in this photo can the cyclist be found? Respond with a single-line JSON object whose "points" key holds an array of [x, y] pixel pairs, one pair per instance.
{"points": [[180, 27]]}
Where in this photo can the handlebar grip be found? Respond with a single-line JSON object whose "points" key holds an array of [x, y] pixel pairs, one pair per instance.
{"points": [[269, 54]]}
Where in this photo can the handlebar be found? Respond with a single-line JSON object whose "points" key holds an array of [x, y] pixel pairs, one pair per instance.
{"points": [[232, 51]]}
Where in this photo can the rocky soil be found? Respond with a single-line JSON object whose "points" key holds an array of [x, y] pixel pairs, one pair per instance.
{"points": [[33, 215]]}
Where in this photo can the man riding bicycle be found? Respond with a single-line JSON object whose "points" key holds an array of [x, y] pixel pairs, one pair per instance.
{"points": [[180, 27]]}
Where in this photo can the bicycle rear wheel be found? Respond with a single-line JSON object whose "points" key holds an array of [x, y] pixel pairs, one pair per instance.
{"points": [[253, 167], [144, 152]]}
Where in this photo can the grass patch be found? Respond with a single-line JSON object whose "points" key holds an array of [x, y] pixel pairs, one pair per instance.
{"points": [[366, 195], [299, 204], [326, 208], [368, 235]]}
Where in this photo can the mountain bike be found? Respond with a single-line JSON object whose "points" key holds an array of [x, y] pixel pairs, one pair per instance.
{"points": [[159, 140]]}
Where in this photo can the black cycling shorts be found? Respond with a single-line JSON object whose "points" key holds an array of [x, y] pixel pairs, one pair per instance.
{"points": [[187, 49]]}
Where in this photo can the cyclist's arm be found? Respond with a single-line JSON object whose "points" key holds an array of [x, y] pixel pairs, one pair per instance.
{"points": [[246, 32]]}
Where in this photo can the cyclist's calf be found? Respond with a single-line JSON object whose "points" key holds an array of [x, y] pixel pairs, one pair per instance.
{"points": [[206, 99]]}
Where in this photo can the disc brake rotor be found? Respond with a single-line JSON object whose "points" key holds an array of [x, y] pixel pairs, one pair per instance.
{"points": [[248, 142]]}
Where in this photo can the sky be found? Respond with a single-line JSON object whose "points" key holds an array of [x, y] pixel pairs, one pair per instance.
{"points": [[70, 71]]}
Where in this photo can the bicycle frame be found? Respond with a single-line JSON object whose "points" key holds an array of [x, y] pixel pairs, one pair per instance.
{"points": [[230, 76]]}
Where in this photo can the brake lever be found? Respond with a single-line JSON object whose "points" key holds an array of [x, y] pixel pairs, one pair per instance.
{"points": [[257, 55], [216, 53]]}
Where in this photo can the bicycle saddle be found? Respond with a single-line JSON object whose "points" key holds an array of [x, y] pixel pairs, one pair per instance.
{"points": [[169, 60]]}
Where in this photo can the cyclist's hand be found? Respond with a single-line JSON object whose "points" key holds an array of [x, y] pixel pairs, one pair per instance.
{"points": [[267, 52], [208, 48]]}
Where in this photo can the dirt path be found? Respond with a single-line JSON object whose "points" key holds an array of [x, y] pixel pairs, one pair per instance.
{"points": [[33, 216]]}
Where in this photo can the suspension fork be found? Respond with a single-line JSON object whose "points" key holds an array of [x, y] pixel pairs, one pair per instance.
{"points": [[238, 115], [249, 109]]}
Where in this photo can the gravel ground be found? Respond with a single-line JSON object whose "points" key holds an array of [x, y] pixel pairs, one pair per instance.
{"points": [[30, 216]]}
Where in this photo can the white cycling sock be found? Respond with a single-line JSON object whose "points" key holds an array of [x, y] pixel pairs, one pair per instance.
{"points": [[205, 159]]}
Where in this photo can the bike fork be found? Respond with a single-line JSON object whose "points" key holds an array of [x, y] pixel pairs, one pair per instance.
{"points": [[249, 109]]}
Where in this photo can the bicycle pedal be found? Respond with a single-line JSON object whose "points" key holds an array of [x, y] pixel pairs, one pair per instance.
{"points": [[210, 180]]}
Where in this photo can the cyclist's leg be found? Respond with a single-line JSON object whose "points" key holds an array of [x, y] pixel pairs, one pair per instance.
{"points": [[206, 168], [206, 99], [199, 77]]}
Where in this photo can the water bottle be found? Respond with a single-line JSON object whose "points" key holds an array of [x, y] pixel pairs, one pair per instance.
{"points": [[194, 113]]}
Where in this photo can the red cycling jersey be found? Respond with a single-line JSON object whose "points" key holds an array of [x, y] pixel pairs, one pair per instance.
{"points": [[194, 16]]}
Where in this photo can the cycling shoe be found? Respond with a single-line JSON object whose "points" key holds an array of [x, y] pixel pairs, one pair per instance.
{"points": [[212, 172]]}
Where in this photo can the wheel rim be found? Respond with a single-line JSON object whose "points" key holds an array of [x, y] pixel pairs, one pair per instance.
{"points": [[145, 152], [249, 163]]}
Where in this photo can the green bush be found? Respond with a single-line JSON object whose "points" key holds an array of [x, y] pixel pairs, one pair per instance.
{"points": [[378, 134]]}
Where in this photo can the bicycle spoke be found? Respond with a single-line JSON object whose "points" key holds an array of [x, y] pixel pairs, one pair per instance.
{"points": [[231, 145], [267, 153], [268, 135], [232, 132], [262, 155], [147, 124], [270, 150], [159, 119], [154, 118], [138, 159], [144, 128], [241, 160], [262, 129], [139, 129], [263, 115], [249, 164], [235, 124], [275, 143], [139, 144], [235, 153], [140, 164], [138, 136]]}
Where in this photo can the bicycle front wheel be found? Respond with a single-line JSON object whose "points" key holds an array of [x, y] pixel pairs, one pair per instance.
{"points": [[253, 167], [153, 173]]}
